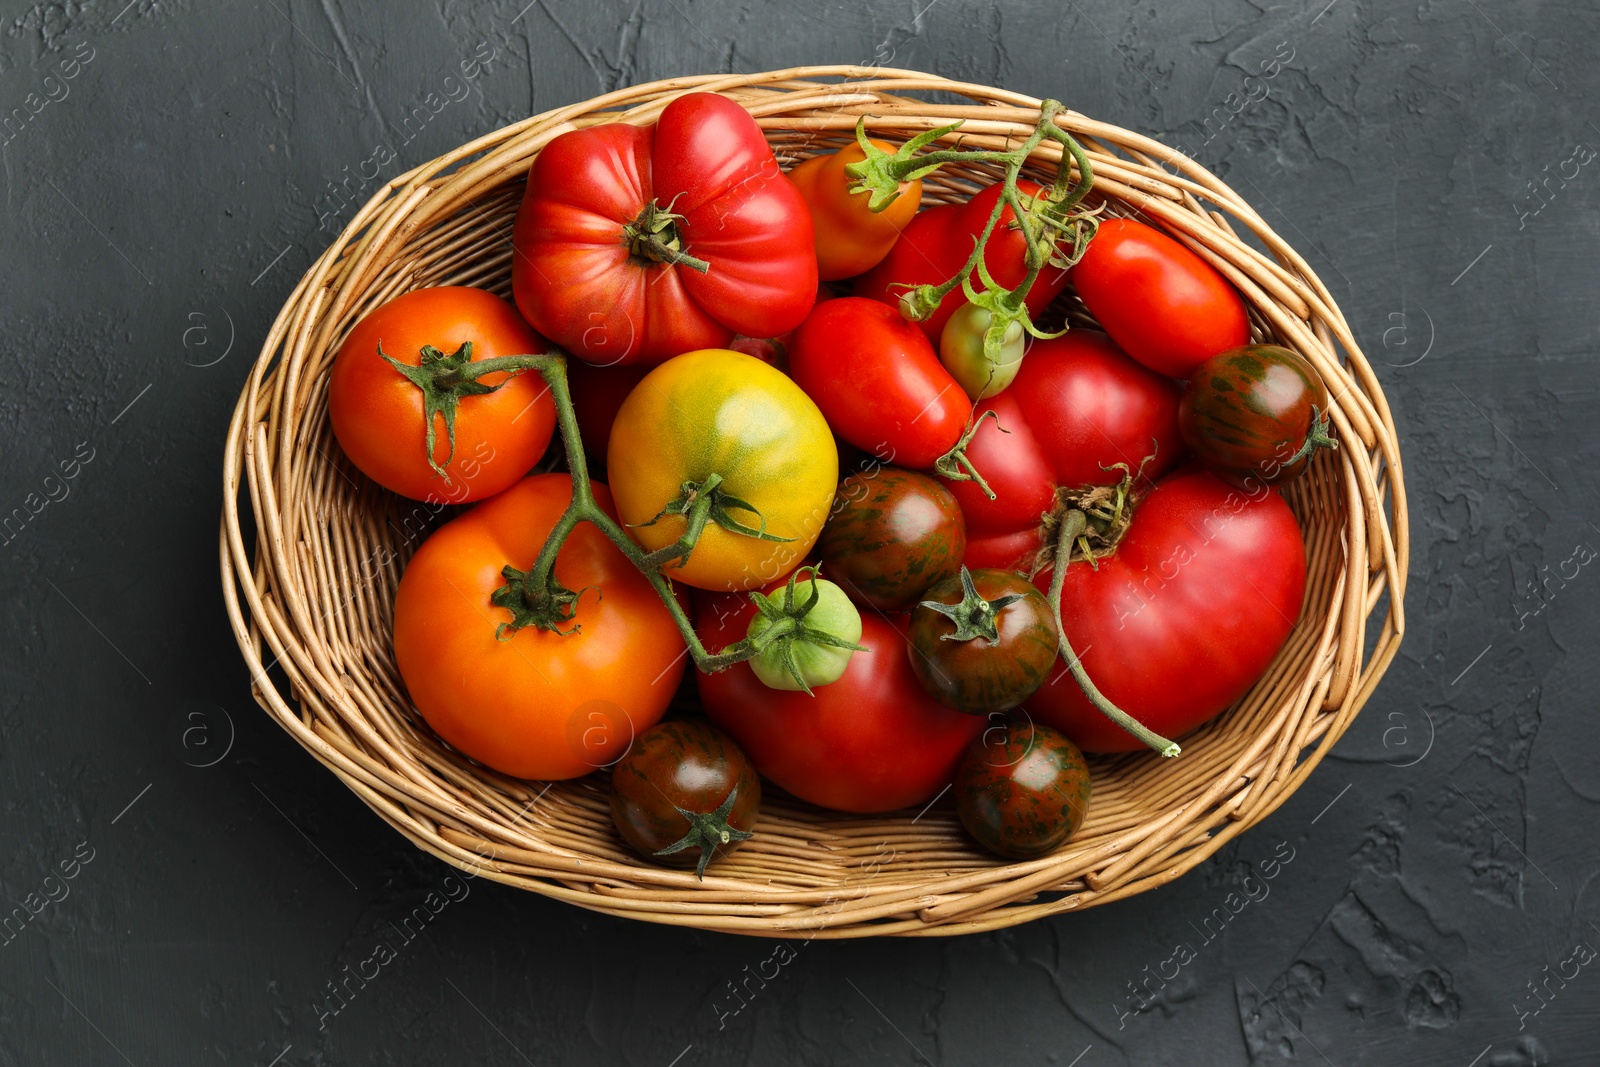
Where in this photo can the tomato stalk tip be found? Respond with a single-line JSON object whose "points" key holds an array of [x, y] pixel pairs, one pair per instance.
{"points": [[707, 830], [972, 615]]}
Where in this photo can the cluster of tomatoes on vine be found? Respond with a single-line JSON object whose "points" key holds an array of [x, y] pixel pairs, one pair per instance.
{"points": [[1043, 542]]}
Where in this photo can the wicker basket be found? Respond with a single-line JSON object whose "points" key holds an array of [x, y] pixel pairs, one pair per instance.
{"points": [[310, 592]]}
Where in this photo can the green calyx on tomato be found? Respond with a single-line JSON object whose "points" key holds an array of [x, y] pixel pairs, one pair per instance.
{"points": [[701, 503], [972, 615], [803, 643], [654, 236], [707, 831], [880, 173], [445, 379], [983, 349]]}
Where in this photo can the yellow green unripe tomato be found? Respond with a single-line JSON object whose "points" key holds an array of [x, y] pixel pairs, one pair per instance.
{"points": [[961, 352]]}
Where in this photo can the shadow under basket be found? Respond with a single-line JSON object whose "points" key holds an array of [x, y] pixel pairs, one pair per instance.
{"points": [[312, 553]]}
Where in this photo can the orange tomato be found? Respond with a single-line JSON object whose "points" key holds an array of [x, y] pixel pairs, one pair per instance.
{"points": [[851, 239], [537, 704], [379, 417]]}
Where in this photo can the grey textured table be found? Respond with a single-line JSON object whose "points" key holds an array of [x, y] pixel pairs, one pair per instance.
{"points": [[170, 166]]}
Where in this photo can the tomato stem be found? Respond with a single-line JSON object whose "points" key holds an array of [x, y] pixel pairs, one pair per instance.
{"points": [[654, 236], [972, 615], [1073, 524], [707, 830], [955, 465], [444, 380], [1316, 437], [536, 598]]}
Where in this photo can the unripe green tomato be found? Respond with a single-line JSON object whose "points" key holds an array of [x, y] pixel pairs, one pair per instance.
{"points": [[818, 664], [961, 352]]}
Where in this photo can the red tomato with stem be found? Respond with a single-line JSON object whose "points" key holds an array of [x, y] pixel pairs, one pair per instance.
{"points": [[1168, 308], [938, 242], [1184, 616], [878, 382], [1078, 405], [871, 741], [617, 220], [379, 414]]}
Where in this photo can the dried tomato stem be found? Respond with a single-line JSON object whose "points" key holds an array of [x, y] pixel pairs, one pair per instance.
{"points": [[1073, 524]]}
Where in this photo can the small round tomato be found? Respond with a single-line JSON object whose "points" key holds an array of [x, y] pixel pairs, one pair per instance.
{"points": [[983, 641], [893, 533], [851, 238], [725, 420], [876, 378], [871, 741], [1257, 412], [684, 791], [1168, 308], [961, 352], [1022, 789], [536, 704], [385, 420]]}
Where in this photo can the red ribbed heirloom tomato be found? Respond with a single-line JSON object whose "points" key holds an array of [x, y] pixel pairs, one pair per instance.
{"points": [[1168, 308], [1077, 406], [617, 219], [537, 704], [938, 242], [1183, 617], [379, 414], [878, 382], [871, 741]]}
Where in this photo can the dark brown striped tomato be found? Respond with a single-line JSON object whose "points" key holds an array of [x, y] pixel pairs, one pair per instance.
{"points": [[684, 792], [1255, 414], [1022, 789], [983, 641], [892, 535]]}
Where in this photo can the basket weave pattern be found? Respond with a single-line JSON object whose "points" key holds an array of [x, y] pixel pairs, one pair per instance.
{"points": [[310, 593]]}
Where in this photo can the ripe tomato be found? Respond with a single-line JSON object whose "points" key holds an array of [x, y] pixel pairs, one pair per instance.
{"points": [[1183, 617], [1022, 789], [938, 242], [684, 791], [871, 741], [610, 211], [1077, 406], [1168, 308], [892, 534], [983, 641], [1256, 413], [850, 237], [717, 412], [876, 378], [379, 415], [538, 704]]}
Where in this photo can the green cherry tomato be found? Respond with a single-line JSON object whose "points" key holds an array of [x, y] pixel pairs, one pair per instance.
{"points": [[961, 352], [683, 792], [804, 633], [1256, 414], [983, 641], [893, 533], [1022, 789]]}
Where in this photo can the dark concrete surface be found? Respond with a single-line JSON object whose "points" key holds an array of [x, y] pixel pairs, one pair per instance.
{"points": [[170, 175]]}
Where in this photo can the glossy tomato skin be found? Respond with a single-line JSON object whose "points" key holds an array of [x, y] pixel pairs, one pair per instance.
{"points": [[1246, 413], [1022, 789], [937, 243], [980, 675], [851, 238], [576, 280], [721, 412], [1078, 406], [681, 763], [1184, 616], [378, 414], [893, 534], [878, 382], [538, 704], [872, 741], [1168, 308]]}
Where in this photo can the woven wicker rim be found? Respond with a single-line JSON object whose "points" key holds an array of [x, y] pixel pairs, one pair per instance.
{"points": [[309, 589]]}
